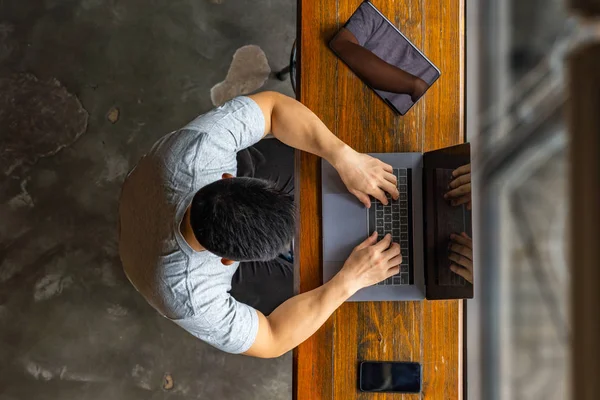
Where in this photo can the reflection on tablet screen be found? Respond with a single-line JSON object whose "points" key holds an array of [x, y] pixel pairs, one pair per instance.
{"points": [[384, 59]]}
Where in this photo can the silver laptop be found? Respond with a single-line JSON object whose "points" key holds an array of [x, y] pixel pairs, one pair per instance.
{"points": [[421, 221]]}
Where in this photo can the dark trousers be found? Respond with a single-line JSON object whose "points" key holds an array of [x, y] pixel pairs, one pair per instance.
{"points": [[264, 285]]}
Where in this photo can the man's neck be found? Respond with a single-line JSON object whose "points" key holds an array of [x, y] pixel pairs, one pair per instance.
{"points": [[188, 234]]}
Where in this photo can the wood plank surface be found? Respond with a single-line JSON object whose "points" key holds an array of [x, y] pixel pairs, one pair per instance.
{"points": [[313, 366], [444, 126], [326, 366]]}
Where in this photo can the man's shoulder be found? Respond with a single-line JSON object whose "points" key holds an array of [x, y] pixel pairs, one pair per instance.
{"points": [[190, 284], [162, 279]]}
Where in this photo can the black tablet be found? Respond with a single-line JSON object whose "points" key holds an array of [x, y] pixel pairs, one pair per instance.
{"points": [[384, 58]]}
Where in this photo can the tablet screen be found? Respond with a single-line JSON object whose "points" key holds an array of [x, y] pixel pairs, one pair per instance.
{"points": [[384, 59]]}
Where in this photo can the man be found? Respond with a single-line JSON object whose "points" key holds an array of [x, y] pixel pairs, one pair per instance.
{"points": [[187, 221]]}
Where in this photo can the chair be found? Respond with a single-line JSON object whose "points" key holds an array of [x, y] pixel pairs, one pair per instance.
{"points": [[290, 70]]}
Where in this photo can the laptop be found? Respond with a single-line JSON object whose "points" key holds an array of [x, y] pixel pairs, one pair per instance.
{"points": [[421, 221]]}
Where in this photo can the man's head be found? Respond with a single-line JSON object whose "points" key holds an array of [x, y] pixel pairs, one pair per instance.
{"points": [[243, 219]]}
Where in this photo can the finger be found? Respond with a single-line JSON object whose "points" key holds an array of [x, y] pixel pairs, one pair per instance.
{"points": [[387, 167], [392, 252], [458, 270], [459, 191], [393, 271], [380, 195], [461, 180], [461, 260], [462, 250], [395, 261], [460, 201], [370, 241], [469, 205], [465, 169], [463, 239], [363, 198], [384, 243], [390, 178], [390, 188]]}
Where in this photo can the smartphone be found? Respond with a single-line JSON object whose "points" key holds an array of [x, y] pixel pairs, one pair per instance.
{"points": [[396, 377]]}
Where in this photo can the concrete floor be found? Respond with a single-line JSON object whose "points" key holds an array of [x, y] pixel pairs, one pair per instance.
{"points": [[71, 326]]}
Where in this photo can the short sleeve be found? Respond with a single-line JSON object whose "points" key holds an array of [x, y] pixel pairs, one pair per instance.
{"points": [[232, 127], [362, 23], [227, 325]]}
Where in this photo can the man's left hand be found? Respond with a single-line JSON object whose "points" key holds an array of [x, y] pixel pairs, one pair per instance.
{"points": [[366, 176]]}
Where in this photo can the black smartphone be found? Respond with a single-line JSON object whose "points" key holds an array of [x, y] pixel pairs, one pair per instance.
{"points": [[397, 377]]}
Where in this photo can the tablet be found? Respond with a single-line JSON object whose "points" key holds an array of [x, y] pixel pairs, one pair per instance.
{"points": [[378, 53]]}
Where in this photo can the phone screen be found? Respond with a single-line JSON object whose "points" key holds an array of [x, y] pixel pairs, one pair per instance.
{"points": [[401, 377]]}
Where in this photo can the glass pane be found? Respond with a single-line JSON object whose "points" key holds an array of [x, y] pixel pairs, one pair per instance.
{"points": [[535, 281], [523, 303]]}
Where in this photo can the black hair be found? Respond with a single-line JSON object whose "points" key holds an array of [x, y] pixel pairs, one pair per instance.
{"points": [[243, 219]]}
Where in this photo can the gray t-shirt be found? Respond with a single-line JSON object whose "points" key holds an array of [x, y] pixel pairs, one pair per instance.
{"points": [[380, 38], [190, 288]]}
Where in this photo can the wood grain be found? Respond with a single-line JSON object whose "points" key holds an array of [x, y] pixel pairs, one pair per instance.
{"points": [[313, 369], [444, 45], [326, 366]]}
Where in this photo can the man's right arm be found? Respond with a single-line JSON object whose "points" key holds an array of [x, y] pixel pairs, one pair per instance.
{"points": [[298, 318]]}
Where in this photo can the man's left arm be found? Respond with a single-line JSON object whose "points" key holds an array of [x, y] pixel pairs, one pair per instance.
{"points": [[295, 125]]}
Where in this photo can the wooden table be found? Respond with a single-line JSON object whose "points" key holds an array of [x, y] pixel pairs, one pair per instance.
{"points": [[430, 332]]}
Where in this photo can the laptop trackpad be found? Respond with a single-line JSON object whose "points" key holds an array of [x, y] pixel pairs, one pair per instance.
{"points": [[344, 225]]}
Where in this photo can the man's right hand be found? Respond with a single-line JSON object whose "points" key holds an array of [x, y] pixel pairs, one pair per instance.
{"points": [[371, 262], [295, 320]]}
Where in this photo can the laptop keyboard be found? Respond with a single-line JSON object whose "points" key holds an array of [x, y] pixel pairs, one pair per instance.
{"points": [[396, 219]]}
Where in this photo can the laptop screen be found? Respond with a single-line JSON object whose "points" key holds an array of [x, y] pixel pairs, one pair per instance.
{"points": [[384, 59]]}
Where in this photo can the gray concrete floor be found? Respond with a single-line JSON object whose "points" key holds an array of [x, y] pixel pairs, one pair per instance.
{"points": [[71, 326]]}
